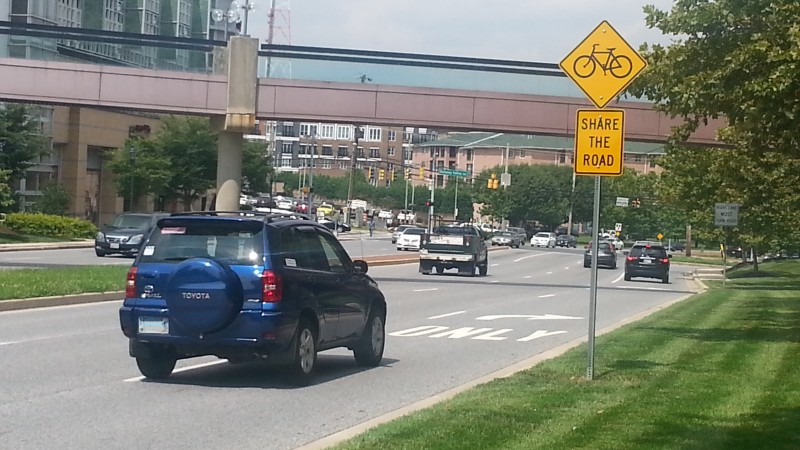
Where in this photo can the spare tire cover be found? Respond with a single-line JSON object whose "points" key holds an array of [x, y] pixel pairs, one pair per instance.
{"points": [[203, 295]]}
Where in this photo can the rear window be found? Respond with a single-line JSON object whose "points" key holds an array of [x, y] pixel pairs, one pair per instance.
{"points": [[543, 235], [417, 231], [504, 233], [232, 242], [655, 252], [457, 231]]}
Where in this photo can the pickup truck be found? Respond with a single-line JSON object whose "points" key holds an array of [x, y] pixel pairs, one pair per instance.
{"points": [[459, 247]]}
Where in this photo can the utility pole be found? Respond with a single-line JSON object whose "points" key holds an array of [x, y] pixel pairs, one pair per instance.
{"points": [[133, 174], [311, 172], [357, 135]]}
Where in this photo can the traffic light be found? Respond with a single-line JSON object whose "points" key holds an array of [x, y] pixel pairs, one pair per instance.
{"points": [[408, 174], [391, 175], [381, 174], [422, 172], [636, 203], [370, 175], [428, 203], [493, 182]]}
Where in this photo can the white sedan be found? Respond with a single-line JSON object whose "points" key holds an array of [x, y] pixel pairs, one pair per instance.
{"points": [[410, 239], [544, 239]]}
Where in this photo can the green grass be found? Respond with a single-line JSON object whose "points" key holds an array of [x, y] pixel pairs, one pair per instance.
{"points": [[28, 283], [704, 260], [717, 371], [7, 237]]}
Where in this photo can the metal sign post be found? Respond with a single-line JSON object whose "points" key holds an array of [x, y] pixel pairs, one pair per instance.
{"points": [[593, 282]]}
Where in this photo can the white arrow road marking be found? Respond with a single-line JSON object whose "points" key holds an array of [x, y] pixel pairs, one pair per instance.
{"points": [[184, 369], [446, 315], [529, 317], [618, 278], [547, 295], [426, 290], [531, 256], [540, 334]]}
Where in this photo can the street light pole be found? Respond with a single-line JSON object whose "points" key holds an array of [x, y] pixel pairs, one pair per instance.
{"points": [[311, 172], [132, 153], [455, 203]]}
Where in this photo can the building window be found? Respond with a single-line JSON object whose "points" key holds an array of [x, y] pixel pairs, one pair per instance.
{"points": [[439, 165], [360, 152], [453, 151], [343, 165], [392, 135], [374, 134], [288, 129], [652, 161], [408, 154], [326, 131], [562, 156], [469, 154], [469, 168], [327, 150], [391, 151], [344, 132], [286, 162], [342, 151], [304, 149], [286, 147], [326, 163], [308, 129], [374, 152]]}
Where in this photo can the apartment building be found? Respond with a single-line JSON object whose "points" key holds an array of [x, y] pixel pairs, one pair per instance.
{"points": [[475, 152]]}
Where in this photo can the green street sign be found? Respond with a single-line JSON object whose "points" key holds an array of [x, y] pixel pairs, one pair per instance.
{"points": [[454, 173]]}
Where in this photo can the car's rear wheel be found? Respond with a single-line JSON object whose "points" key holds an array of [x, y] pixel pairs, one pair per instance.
{"points": [[156, 367], [627, 277], [305, 354], [369, 351], [483, 269], [665, 279]]}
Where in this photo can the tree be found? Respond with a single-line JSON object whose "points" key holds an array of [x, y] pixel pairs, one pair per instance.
{"points": [[191, 148], [6, 196], [54, 200], [256, 167], [150, 171], [21, 141], [731, 59]]}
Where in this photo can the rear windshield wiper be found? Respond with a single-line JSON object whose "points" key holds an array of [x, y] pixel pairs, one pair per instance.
{"points": [[176, 258]]}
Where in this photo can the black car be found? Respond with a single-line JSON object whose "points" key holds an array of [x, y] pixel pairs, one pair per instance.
{"points": [[125, 234], [566, 240], [340, 226], [606, 255], [248, 286], [649, 260]]}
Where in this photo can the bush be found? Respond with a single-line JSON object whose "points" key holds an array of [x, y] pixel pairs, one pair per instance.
{"points": [[54, 200], [50, 226]]}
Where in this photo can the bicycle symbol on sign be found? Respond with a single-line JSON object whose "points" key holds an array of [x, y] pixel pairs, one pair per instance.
{"points": [[620, 66]]}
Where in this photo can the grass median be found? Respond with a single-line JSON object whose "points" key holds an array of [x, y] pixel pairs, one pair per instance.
{"points": [[717, 371], [29, 283]]}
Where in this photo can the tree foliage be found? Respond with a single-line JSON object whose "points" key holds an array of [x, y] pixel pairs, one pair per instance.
{"points": [[21, 141], [731, 59], [6, 196], [191, 148], [150, 170], [256, 167], [54, 200]]}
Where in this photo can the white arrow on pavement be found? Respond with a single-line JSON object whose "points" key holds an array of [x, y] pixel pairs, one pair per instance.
{"points": [[529, 317]]}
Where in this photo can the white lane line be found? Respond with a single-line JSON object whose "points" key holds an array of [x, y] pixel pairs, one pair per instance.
{"points": [[528, 276], [647, 288], [531, 256], [184, 369], [426, 290], [618, 278], [566, 268], [446, 315], [547, 295], [549, 273], [495, 281], [495, 265]]}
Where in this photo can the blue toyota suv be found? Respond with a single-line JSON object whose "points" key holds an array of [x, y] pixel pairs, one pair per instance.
{"points": [[248, 285]]}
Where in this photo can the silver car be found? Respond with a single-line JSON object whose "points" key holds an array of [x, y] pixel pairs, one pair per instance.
{"points": [[508, 238], [399, 230]]}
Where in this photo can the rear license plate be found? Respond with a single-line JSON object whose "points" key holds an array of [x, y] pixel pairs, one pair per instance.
{"points": [[114, 245], [154, 325], [647, 261]]}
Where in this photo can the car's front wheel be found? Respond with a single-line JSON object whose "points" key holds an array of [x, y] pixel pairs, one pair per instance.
{"points": [[99, 253], [369, 351], [156, 367]]}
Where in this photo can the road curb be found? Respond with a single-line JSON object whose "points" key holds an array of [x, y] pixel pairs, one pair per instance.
{"points": [[59, 300], [341, 436], [43, 302], [45, 246]]}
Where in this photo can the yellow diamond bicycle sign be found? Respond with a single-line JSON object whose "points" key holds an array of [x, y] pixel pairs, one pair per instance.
{"points": [[603, 64]]}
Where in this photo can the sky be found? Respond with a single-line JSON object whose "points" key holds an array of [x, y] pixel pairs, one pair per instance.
{"points": [[532, 30]]}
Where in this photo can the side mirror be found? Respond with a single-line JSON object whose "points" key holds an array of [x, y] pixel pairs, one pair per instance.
{"points": [[360, 266], [669, 255]]}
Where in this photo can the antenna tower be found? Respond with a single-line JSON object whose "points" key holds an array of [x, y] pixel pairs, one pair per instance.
{"points": [[280, 33]]}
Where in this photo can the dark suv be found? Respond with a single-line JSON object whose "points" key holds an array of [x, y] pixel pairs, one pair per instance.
{"points": [[125, 233], [649, 260], [274, 286]]}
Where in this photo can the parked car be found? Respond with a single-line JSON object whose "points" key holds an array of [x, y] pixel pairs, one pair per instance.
{"points": [[329, 224], [647, 259], [399, 230], [302, 207], [263, 286], [566, 240], [523, 236], [264, 203], [410, 239], [325, 209], [544, 239], [508, 238], [385, 214], [125, 234], [606, 255], [617, 243]]}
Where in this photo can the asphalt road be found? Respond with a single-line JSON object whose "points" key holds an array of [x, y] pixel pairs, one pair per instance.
{"points": [[356, 245], [68, 382]]}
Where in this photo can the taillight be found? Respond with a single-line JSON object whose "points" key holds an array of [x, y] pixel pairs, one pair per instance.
{"points": [[272, 287], [631, 258], [130, 284], [665, 260]]}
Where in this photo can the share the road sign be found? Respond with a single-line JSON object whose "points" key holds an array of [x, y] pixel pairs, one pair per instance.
{"points": [[603, 64], [599, 142]]}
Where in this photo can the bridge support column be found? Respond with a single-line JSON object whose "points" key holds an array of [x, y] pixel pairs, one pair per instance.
{"points": [[229, 167], [73, 165]]}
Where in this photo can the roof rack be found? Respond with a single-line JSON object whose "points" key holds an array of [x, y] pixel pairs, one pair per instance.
{"points": [[264, 215]]}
